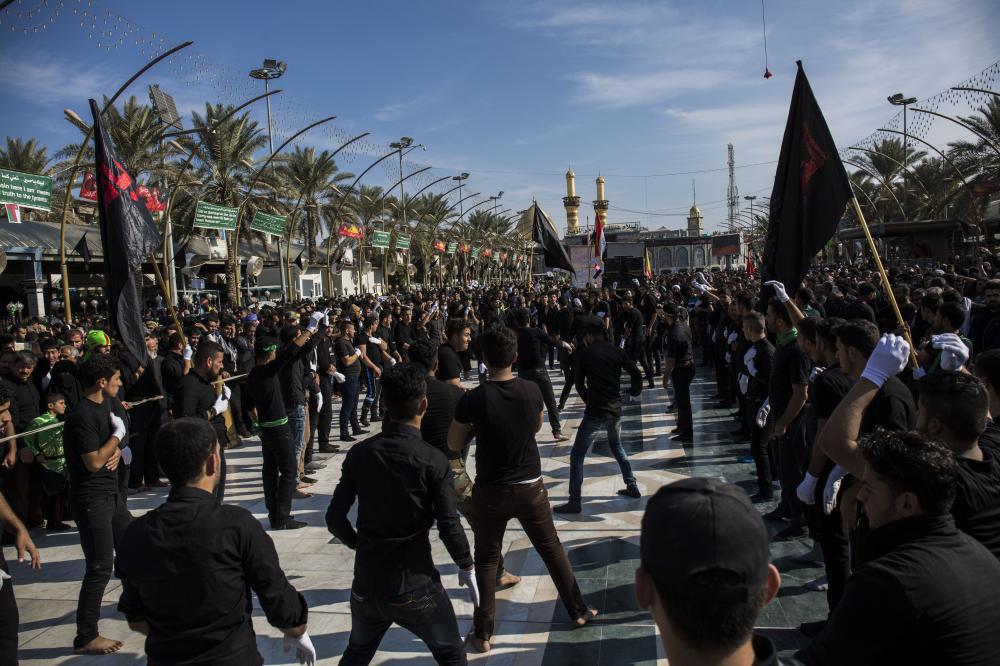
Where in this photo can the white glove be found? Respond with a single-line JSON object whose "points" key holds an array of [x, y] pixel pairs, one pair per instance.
{"points": [[303, 646], [729, 357], [467, 578], [392, 361], [635, 281], [807, 489], [889, 358], [226, 391], [763, 413], [833, 482], [732, 337], [816, 372], [954, 353], [118, 427], [375, 341], [919, 373], [779, 290], [126, 456], [221, 404], [751, 368], [326, 316], [713, 336], [744, 384], [482, 368], [319, 401], [357, 352], [339, 377], [188, 352], [565, 345], [698, 287], [314, 320]]}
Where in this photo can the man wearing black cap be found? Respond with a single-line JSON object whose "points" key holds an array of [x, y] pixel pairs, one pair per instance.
{"points": [[267, 405], [705, 574]]}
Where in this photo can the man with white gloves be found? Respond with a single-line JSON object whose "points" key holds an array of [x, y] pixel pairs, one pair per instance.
{"points": [[188, 566], [395, 579], [198, 396]]}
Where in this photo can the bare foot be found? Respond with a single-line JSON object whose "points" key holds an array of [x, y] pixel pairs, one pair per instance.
{"points": [[587, 617], [100, 645], [480, 645], [507, 580]]}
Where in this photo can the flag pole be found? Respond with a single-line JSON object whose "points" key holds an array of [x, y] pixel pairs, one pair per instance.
{"points": [[885, 280], [170, 306]]}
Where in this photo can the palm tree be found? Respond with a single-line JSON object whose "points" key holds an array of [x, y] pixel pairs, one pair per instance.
{"points": [[224, 164], [25, 156], [313, 182]]}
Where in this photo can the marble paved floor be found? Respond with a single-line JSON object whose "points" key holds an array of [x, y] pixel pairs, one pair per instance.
{"points": [[532, 627]]}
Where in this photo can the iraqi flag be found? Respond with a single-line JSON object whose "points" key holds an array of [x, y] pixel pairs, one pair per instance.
{"points": [[13, 213], [751, 269], [600, 245], [128, 236], [810, 192]]}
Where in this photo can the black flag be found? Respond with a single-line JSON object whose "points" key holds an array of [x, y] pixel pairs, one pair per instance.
{"points": [[128, 235], [83, 250], [810, 191], [180, 255], [543, 233], [301, 262]]}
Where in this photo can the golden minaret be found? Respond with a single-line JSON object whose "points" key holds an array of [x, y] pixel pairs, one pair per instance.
{"points": [[572, 204], [601, 204]]}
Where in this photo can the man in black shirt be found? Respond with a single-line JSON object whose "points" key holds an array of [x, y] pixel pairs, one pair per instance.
{"points": [[788, 391], [757, 363], [449, 361], [176, 364], [531, 365], [599, 367], [402, 335], [188, 566], [349, 364], [395, 579], [505, 413], [634, 333], [926, 593], [93, 440], [198, 397], [679, 367], [278, 465]]}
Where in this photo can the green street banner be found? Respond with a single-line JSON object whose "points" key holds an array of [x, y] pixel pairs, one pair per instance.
{"points": [[402, 242], [268, 224], [25, 189], [380, 239], [212, 216], [452, 246], [475, 251]]}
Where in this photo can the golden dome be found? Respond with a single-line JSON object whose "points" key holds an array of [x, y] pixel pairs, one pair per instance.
{"points": [[600, 179], [570, 174], [695, 211]]}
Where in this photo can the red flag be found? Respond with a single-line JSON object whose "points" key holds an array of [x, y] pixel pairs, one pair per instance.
{"points": [[600, 247], [88, 190], [751, 269], [350, 230]]}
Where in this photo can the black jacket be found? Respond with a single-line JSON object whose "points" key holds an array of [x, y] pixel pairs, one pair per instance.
{"points": [[926, 595], [598, 378]]}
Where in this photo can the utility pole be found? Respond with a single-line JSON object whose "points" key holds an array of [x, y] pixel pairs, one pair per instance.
{"points": [[733, 193]]}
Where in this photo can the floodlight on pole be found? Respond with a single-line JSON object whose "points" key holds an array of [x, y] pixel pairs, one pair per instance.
{"points": [[461, 178], [899, 100]]}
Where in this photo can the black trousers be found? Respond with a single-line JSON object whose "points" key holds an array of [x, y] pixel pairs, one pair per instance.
{"points": [[790, 450], [325, 416], [236, 399], [566, 365], [102, 520], [425, 612], [833, 541], [758, 447], [638, 352], [145, 469], [541, 377], [681, 378], [9, 619], [278, 470]]}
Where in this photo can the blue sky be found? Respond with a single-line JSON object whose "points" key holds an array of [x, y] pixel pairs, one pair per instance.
{"points": [[513, 92]]}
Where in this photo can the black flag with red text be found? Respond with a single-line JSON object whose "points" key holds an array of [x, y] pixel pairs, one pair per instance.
{"points": [[810, 192], [128, 236]]}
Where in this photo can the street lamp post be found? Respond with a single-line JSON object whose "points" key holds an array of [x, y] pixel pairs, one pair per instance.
{"points": [[272, 69], [461, 181], [899, 100]]}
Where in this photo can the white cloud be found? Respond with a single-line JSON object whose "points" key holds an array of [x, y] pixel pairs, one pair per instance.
{"points": [[43, 81], [393, 112]]}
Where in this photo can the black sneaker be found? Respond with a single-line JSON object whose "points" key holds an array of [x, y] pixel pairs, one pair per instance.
{"points": [[790, 533], [671, 408], [329, 448], [568, 507], [362, 431], [348, 438], [777, 514], [760, 497], [290, 524], [684, 437], [306, 479], [630, 491]]}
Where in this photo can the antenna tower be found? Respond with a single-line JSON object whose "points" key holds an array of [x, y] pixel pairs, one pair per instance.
{"points": [[733, 193]]}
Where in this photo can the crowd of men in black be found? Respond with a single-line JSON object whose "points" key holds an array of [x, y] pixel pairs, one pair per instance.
{"points": [[885, 455]]}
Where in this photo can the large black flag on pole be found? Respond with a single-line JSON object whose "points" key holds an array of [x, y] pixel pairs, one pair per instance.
{"points": [[83, 250], [128, 236], [544, 233], [810, 192]]}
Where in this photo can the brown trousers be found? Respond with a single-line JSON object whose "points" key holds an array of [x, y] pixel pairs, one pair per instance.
{"points": [[494, 506]]}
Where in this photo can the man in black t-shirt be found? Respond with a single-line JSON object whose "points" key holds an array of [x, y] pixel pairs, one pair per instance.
{"points": [[531, 343], [349, 364], [505, 414], [788, 391], [755, 385], [94, 440], [634, 334], [449, 359], [197, 397], [678, 348]]}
